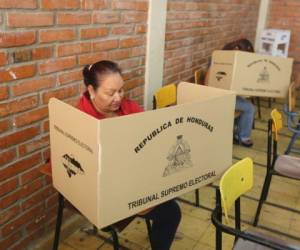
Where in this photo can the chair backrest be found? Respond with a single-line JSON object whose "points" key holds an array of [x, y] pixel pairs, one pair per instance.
{"points": [[165, 96], [277, 123], [200, 76], [292, 96], [237, 180]]}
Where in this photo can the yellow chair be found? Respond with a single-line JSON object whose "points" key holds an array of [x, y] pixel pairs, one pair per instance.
{"points": [[236, 181], [165, 97], [282, 165]]}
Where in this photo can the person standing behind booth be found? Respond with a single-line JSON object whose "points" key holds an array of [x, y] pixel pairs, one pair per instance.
{"points": [[104, 98], [242, 135]]}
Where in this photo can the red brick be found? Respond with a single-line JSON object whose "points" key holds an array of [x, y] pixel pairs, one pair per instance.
{"points": [[28, 239], [123, 5], [5, 125], [20, 166], [18, 105], [62, 93], [9, 214], [20, 193], [30, 175], [14, 39], [92, 58], [129, 64], [94, 4], [73, 49], [35, 85], [139, 91], [33, 146], [138, 51], [52, 201], [130, 84], [129, 5], [15, 4], [18, 137], [133, 73], [42, 53], [33, 19], [46, 156], [55, 65], [16, 73], [134, 17], [73, 18], [6, 157], [106, 45], [37, 198], [142, 28], [3, 92], [131, 42], [122, 30], [60, 4], [31, 116], [100, 17], [142, 6], [8, 186], [89, 33], [3, 58], [28, 216], [13, 238], [58, 35], [69, 77], [120, 54]]}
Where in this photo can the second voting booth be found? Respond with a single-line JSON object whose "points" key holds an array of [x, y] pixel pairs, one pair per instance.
{"points": [[250, 74], [113, 168]]}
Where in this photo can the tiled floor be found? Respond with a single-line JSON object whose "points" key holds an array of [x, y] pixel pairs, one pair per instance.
{"points": [[196, 229]]}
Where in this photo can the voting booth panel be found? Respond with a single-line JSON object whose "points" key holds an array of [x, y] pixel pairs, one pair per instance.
{"points": [[113, 168], [250, 74]]}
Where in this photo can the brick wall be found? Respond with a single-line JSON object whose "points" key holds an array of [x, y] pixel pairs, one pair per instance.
{"points": [[43, 47], [196, 28], [286, 15]]}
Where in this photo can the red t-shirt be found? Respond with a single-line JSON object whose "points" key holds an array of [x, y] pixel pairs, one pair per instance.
{"points": [[127, 107]]}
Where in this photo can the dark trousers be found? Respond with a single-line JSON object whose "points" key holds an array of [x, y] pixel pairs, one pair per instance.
{"points": [[165, 220]]}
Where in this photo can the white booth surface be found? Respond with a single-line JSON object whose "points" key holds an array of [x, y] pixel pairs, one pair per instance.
{"points": [[251, 74], [113, 168]]}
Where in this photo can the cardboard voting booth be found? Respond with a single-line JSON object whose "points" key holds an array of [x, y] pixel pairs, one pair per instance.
{"points": [[113, 168], [251, 74]]}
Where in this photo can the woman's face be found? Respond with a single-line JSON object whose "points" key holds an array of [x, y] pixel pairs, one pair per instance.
{"points": [[108, 96]]}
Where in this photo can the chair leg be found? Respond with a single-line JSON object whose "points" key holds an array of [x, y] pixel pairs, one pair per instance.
{"points": [[115, 239], [61, 201], [263, 197], [219, 217], [270, 102], [149, 229], [258, 107], [197, 201]]}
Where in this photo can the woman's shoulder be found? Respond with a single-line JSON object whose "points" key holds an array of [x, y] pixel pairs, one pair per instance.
{"points": [[129, 106]]}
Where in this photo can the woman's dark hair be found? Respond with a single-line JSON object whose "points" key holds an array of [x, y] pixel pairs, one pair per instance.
{"points": [[245, 45], [241, 44], [93, 74]]}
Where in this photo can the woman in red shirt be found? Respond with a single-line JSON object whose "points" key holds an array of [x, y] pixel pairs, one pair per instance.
{"points": [[104, 98]]}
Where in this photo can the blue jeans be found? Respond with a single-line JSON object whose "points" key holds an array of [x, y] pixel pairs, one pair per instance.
{"points": [[245, 121], [165, 220]]}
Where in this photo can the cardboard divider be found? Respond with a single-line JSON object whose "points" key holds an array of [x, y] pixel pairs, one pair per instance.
{"points": [[251, 74], [113, 168]]}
